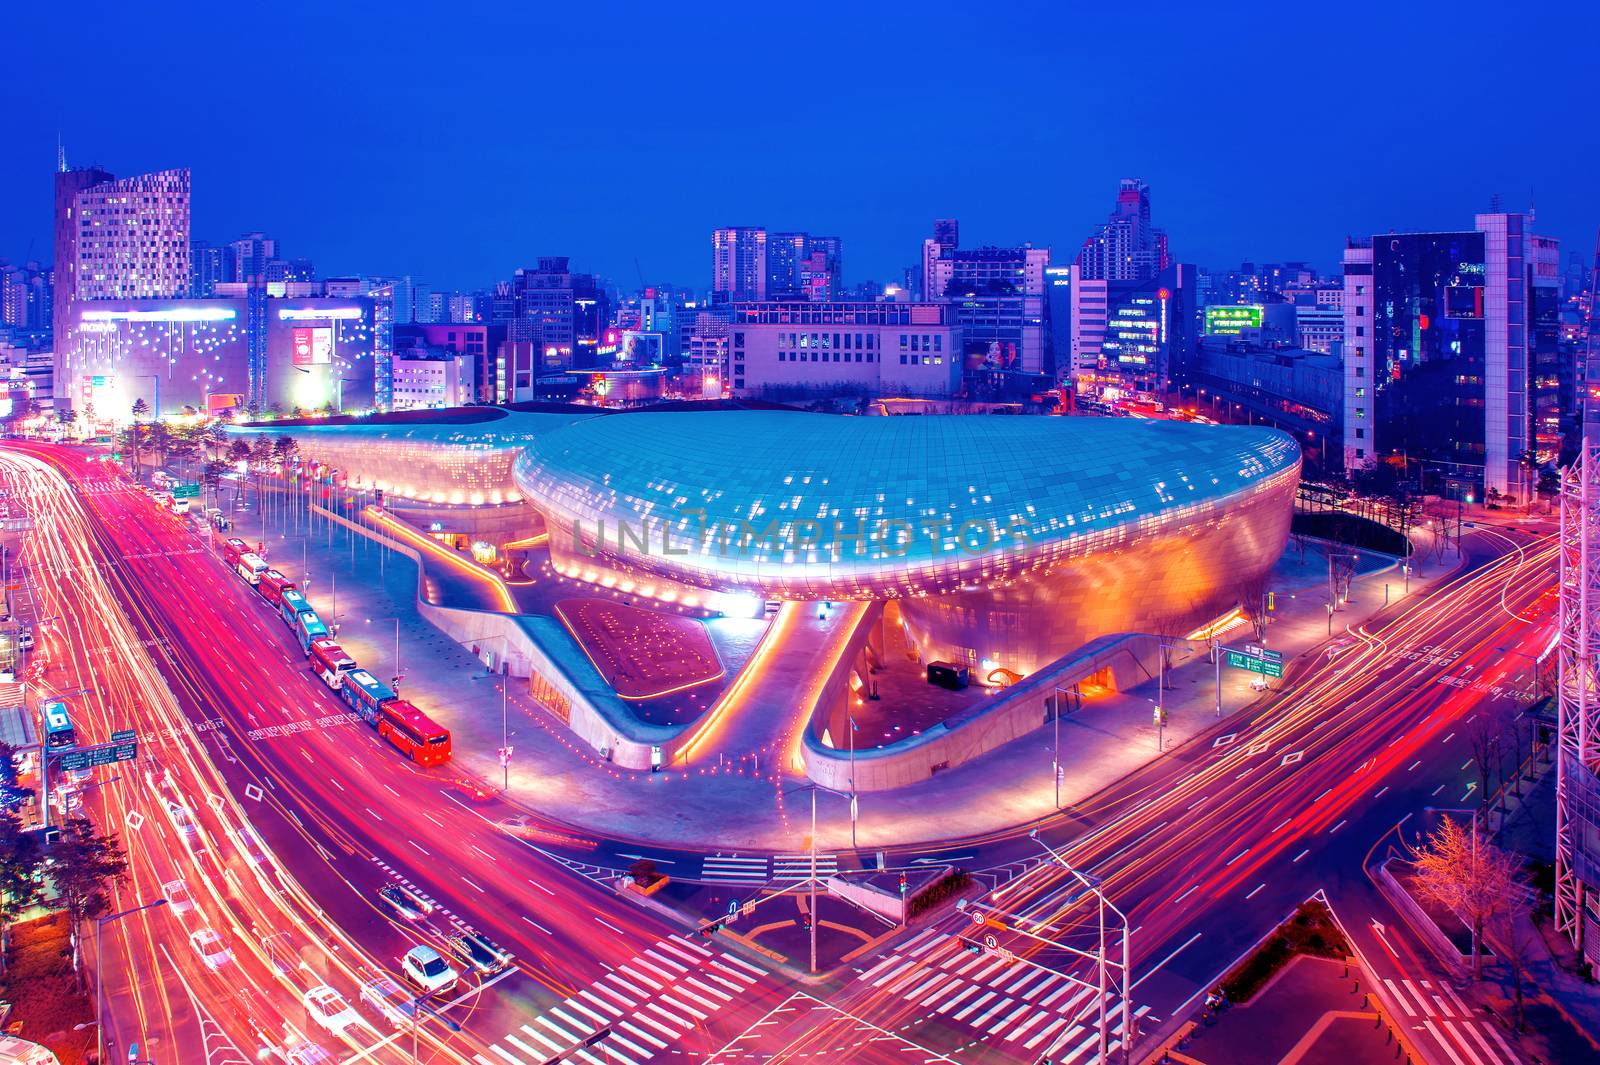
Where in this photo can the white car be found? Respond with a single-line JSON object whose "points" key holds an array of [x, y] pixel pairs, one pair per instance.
{"points": [[426, 968], [307, 1054], [212, 950], [329, 1011], [181, 818], [179, 901]]}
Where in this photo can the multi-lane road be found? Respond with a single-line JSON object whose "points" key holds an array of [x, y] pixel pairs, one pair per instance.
{"points": [[283, 818]]}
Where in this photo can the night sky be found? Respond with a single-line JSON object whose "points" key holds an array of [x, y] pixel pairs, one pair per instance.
{"points": [[457, 142]]}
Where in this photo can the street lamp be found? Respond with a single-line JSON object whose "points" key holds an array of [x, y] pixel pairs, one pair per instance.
{"points": [[814, 787], [99, 967], [1092, 884], [396, 649], [505, 734]]}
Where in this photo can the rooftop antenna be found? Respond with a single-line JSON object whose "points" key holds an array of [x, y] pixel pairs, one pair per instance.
{"points": [[1494, 204], [61, 155]]}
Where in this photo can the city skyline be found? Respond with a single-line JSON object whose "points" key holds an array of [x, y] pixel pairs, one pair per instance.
{"points": [[492, 202]]}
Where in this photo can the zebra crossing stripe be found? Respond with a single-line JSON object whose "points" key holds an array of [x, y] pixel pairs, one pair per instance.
{"points": [[617, 1037], [679, 1021], [532, 1052], [664, 960], [878, 968], [540, 1036], [987, 996], [619, 996], [508, 1057], [716, 992], [556, 1028], [586, 1011], [884, 979], [972, 989], [598, 1002], [692, 945], [675, 1004], [755, 972], [1022, 1029], [646, 1036], [617, 979], [1047, 1032], [690, 958]]}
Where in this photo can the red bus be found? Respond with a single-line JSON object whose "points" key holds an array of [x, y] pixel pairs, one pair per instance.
{"points": [[272, 586], [413, 733], [233, 549], [329, 661]]}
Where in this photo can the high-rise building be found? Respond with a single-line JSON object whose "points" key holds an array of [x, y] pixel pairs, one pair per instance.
{"points": [[738, 264], [25, 296], [1128, 247], [209, 266], [1133, 335], [564, 314], [999, 299], [1437, 343], [115, 240], [802, 266], [249, 257]]}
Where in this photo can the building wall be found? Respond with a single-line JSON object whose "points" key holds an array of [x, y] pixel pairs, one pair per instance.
{"points": [[855, 348]]}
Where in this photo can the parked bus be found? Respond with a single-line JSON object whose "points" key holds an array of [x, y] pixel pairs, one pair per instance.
{"points": [[251, 566], [413, 733], [58, 730], [272, 586], [308, 628], [291, 604], [233, 549], [366, 694], [329, 661]]}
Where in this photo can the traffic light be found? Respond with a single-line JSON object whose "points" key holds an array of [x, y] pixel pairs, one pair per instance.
{"points": [[1272, 603]]}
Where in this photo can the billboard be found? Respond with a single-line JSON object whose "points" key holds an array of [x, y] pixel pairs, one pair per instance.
{"points": [[1232, 319], [313, 345]]}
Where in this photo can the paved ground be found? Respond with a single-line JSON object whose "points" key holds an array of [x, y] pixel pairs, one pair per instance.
{"points": [[559, 776], [1311, 1012]]}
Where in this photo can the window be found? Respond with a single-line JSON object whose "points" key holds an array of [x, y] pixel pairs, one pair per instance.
{"points": [[1361, 330], [938, 344], [902, 358], [1361, 434]]}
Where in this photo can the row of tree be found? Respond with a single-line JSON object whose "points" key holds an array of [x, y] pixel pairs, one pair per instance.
{"points": [[83, 867]]}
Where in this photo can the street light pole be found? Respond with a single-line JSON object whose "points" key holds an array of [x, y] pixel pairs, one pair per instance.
{"points": [[99, 966]]}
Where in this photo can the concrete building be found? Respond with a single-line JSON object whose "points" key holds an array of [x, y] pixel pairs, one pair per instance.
{"points": [[999, 299], [1437, 354], [783, 350], [480, 342], [738, 264], [1127, 247], [563, 314], [1132, 336], [427, 377], [1293, 389]]}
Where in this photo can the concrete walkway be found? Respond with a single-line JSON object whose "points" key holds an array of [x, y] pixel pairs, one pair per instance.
{"points": [[743, 806]]}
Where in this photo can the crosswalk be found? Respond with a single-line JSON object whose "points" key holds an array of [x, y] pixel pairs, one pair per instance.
{"points": [[1003, 1001], [633, 1013], [1435, 1007], [751, 870]]}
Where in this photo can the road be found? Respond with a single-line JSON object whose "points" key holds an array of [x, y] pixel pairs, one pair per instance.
{"points": [[1205, 849], [238, 731]]}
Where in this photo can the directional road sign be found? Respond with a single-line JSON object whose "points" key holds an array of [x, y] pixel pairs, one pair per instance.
{"points": [[1256, 659]]}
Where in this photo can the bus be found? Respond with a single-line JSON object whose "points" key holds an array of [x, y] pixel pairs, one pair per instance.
{"points": [[329, 661], [413, 733], [251, 566], [58, 731], [291, 604], [233, 549], [366, 694], [272, 585], [308, 628]]}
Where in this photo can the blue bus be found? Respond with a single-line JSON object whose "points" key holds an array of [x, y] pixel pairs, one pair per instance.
{"points": [[58, 731], [308, 628], [366, 694], [292, 604]]}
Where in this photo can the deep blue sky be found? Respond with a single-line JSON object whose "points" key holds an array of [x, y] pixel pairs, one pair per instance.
{"points": [[457, 142]]}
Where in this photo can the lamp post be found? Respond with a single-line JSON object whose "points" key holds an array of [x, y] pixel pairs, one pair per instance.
{"points": [[396, 649], [1093, 885], [505, 733], [99, 966], [814, 787]]}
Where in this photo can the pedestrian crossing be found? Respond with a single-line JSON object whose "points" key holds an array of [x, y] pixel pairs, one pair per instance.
{"points": [[1435, 1007], [633, 1013], [752, 870], [1004, 1001]]}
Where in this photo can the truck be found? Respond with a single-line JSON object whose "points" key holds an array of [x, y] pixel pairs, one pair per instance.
{"points": [[366, 694], [329, 662], [251, 566], [272, 586]]}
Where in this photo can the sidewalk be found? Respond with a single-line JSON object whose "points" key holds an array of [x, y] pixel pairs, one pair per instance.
{"points": [[742, 806]]}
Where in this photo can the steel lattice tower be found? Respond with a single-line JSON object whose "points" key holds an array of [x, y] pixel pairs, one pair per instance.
{"points": [[1578, 694]]}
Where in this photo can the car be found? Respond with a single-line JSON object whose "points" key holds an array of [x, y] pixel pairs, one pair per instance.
{"points": [[179, 901], [427, 968], [407, 903], [212, 950], [329, 1011], [25, 639], [389, 1000], [307, 1053], [478, 951], [181, 818]]}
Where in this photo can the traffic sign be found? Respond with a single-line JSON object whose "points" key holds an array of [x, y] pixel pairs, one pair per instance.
{"points": [[185, 491], [80, 758], [1255, 659]]}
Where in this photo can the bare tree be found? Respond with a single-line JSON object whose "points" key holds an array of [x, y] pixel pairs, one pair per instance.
{"points": [[1515, 945], [1253, 593], [1169, 632], [1472, 878], [1486, 734], [1301, 542]]}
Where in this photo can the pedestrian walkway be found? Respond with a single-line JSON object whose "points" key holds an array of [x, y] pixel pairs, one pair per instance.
{"points": [[1024, 1007], [370, 591], [635, 1013]]}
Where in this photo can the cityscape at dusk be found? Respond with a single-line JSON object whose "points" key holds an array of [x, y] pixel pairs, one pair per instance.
{"points": [[728, 535]]}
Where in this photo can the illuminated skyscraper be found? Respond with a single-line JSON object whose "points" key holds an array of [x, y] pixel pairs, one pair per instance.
{"points": [[738, 264], [1127, 247], [133, 238]]}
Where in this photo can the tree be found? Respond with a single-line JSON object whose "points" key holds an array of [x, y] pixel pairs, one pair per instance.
{"points": [[1469, 876], [66, 415], [1486, 734], [85, 866], [238, 451], [1253, 596], [141, 409], [20, 858]]}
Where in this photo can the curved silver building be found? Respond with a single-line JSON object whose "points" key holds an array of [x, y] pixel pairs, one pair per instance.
{"points": [[1005, 539]]}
